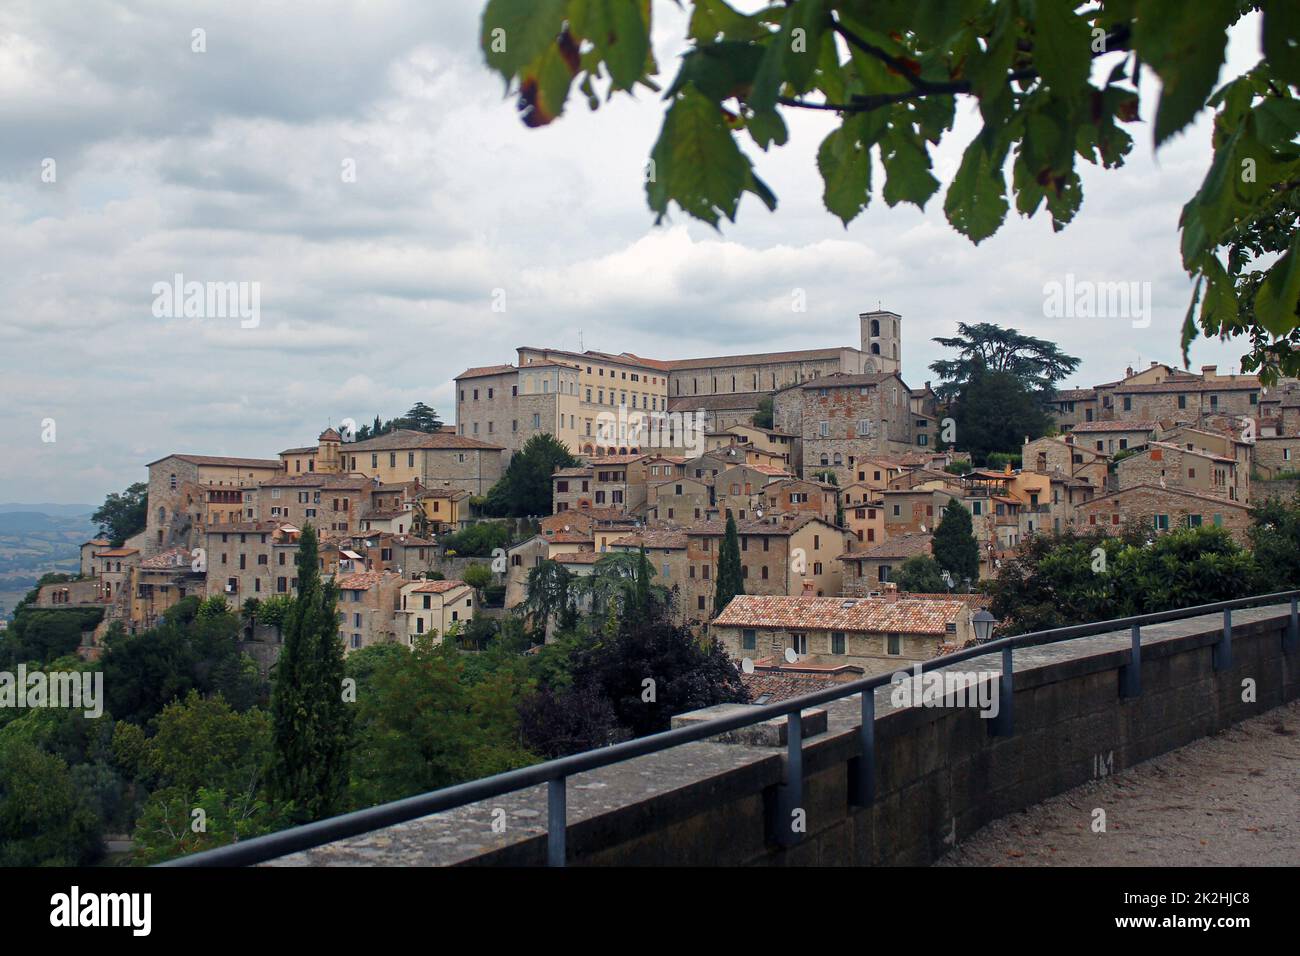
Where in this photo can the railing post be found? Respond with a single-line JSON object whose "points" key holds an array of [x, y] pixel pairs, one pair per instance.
{"points": [[862, 785], [556, 820], [1004, 724], [1292, 639], [790, 793], [1223, 649], [1131, 673]]}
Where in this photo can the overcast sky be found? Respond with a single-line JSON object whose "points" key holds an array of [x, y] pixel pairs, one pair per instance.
{"points": [[227, 166]]}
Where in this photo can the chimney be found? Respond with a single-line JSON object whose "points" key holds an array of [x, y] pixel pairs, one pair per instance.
{"points": [[1128, 372], [890, 592], [1154, 363], [1209, 371], [1006, 469], [809, 587]]}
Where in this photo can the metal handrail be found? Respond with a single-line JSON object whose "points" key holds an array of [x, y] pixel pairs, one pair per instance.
{"points": [[554, 773]]}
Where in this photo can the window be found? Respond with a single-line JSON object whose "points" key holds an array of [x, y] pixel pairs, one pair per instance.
{"points": [[799, 642], [748, 639], [824, 429], [893, 644], [837, 642], [1161, 522]]}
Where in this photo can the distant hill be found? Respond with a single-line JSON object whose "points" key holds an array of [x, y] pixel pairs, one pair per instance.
{"points": [[20, 522], [67, 511], [34, 542]]}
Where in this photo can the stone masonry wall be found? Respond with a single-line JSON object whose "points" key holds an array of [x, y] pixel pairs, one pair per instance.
{"points": [[940, 776]]}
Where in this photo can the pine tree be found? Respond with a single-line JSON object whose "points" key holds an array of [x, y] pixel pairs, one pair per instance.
{"points": [[730, 582], [954, 544], [311, 722]]}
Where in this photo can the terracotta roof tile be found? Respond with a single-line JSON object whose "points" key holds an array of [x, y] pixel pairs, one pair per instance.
{"points": [[861, 615]]}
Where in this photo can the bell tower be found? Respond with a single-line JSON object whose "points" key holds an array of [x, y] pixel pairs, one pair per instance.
{"points": [[882, 340]]}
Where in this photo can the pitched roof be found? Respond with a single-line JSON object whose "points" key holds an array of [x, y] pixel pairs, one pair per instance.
{"points": [[718, 526], [169, 559], [729, 402], [756, 358], [578, 472], [1179, 492], [408, 438], [578, 557], [362, 580], [1133, 426], [438, 587], [869, 615], [842, 380], [779, 687], [218, 460], [900, 546], [483, 370], [663, 538]]}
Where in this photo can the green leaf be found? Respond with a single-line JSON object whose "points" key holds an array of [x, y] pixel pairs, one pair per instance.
{"points": [[1282, 39], [698, 165], [1279, 293], [907, 170], [845, 165], [1062, 47], [1184, 43], [620, 32], [1189, 321], [517, 32], [976, 204], [1219, 309]]}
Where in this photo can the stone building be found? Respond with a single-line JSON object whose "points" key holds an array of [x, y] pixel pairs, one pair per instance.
{"points": [[1111, 437], [368, 608], [778, 555], [877, 634], [569, 394], [435, 460], [433, 607], [843, 418], [866, 571], [328, 502], [179, 487], [1163, 509], [1171, 466]]}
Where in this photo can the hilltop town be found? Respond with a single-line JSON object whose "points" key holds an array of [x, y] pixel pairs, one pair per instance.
{"points": [[845, 480]]}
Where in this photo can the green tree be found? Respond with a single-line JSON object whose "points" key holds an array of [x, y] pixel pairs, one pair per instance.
{"points": [[311, 721], [1036, 363], [891, 74], [1275, 541], [44, 819], [995, 413], [123, 515], [763, 417], [477, 576], [421, 725], [921, 574], [478, 540], [955, 548], [525, 488], [729, 583]]}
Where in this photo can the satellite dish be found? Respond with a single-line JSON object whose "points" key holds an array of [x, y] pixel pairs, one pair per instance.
{"points": [[922, 529], [566, 527], [758, 512], [790, 656], [747, 666]]}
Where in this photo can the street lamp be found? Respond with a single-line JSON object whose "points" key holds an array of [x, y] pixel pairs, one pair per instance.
{"points": [[983, 623]]}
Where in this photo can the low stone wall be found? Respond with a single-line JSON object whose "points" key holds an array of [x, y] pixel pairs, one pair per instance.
{"points": [[940, 776]]}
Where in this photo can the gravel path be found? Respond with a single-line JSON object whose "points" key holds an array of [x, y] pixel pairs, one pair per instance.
{"points": [[1228, 800]]}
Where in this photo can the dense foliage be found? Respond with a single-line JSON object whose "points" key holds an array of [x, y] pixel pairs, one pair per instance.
{"points": [[891, 73], [123, 515], [525, 489]]}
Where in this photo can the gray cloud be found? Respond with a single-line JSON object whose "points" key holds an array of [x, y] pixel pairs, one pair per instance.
{"points": [[227, 166]]}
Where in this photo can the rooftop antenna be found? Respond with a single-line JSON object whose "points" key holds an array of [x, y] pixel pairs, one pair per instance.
{"points": [[579, 340]]}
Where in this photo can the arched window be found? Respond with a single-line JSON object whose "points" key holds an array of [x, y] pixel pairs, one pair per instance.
{"points": [[875, 326], [162, 514], [875, 348]]}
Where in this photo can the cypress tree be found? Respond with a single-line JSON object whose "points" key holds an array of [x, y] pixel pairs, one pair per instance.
{"points": [[954, 544], [730, 582], [311, 723]]}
